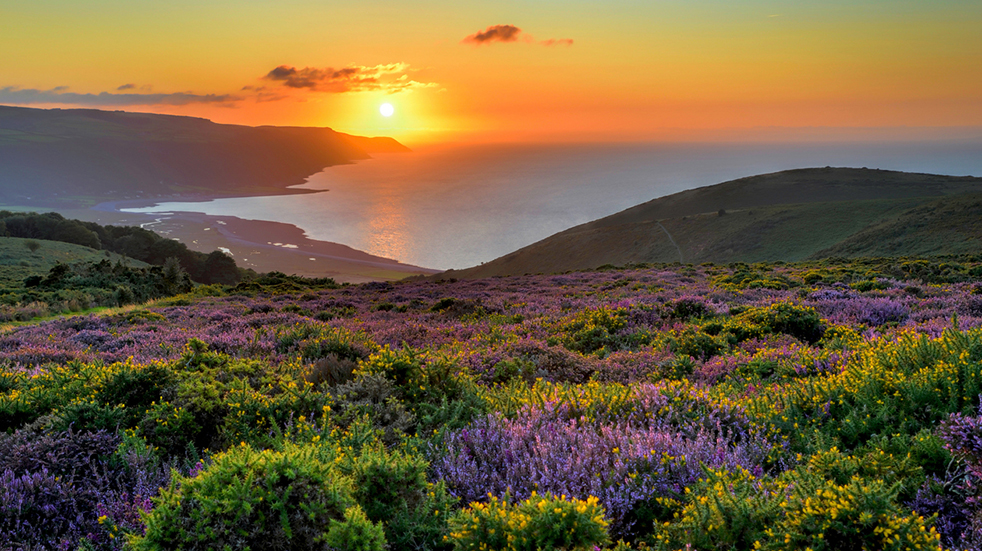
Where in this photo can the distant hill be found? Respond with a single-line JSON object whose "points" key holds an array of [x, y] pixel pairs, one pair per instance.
{"points": [[791, 215], [56, 157]]}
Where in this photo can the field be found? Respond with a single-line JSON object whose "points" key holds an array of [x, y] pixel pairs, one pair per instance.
{"points": [[18, 261], [822, 405]]}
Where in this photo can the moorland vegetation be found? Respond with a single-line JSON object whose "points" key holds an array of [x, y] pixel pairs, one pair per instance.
{"points": [[822, 405]]}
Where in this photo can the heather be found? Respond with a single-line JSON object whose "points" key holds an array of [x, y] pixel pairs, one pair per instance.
{"points": [[782, 406]]}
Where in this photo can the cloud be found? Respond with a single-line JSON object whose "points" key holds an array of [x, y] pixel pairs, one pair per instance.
{"points": [[286, 83], [494, 33], [390, 77], [510, 33], [22, 96], [557, 42]]}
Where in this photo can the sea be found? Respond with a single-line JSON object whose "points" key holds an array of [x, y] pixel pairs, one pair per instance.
{"points": [[459, 206]]}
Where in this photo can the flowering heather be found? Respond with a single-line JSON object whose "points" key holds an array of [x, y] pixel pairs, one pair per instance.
{"points": [[641, 388], [57, 490], [623, 465]]}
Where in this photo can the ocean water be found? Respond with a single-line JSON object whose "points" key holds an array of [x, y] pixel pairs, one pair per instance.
{"points": [[456, 207]]}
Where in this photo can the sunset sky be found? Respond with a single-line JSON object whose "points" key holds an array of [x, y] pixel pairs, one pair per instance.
{"points": [[505, 70]]}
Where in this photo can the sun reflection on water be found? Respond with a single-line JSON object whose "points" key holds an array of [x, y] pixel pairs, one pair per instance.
{"points": [[388, 231]]}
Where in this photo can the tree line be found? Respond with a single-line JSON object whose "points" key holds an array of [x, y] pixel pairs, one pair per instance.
{"points": [[132, 241]]}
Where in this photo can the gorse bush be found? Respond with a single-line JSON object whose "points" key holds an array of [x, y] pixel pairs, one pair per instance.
{"points": [[537, 523], [595, 330], [249, 499], [727, 509], [392, 489], [859, 514], [800, 322]]}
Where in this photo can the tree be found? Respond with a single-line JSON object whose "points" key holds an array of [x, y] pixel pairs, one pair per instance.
{"points": [[176, 280], [220, 268]]}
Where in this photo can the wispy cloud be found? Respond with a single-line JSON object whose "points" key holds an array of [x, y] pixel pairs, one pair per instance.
{"points": [[510, 33], [390, 78], [557, 42], [282, 83], [60, 95]]}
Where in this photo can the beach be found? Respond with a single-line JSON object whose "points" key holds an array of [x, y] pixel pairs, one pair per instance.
{"points": [[260, 245]]}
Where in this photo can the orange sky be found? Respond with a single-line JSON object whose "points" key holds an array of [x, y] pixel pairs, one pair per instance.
{"points": [[500, 70]]}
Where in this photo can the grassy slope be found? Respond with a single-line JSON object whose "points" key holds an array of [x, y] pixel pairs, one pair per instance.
{"points": [[17, 262], [791, 215], [949, 226]]}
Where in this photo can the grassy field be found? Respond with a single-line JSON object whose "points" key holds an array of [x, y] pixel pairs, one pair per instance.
{"points": [[17, 261]]}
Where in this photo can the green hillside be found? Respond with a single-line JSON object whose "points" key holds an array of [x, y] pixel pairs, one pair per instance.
{"points": [[947, 226], [785, 216], [17, 261]]}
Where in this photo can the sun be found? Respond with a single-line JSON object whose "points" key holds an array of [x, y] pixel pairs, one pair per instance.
{"points": [[386, 109]]}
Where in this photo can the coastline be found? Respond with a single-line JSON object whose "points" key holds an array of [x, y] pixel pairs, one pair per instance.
{"points": [[261, 245]]}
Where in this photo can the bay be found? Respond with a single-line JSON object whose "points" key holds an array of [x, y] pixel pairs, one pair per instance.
{"points": [[457, 206]]}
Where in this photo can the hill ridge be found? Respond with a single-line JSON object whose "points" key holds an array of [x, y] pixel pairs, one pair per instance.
{"points": [[786, 215], [84, 156]]}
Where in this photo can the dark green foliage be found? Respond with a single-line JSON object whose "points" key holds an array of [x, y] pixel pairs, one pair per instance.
{"points": [[374, 397], [434, 391], [506, 370], [698, 344], [753, 277], [279, 283], [248, 499], [870, 285], [595, 331], [687, 308], [800, 322], [443, 304], [392, 489]]}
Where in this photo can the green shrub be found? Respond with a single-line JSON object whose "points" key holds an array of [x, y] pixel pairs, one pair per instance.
{"points": [[801, 322], [374, 397], [724, 510], [392, 490], [695, 343], [538, 523], [172, 429], [512, 368], [248, 499], [869, 285], [356, 533], [823, 514], [594, 330], [433, 389], [329, 371]]}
